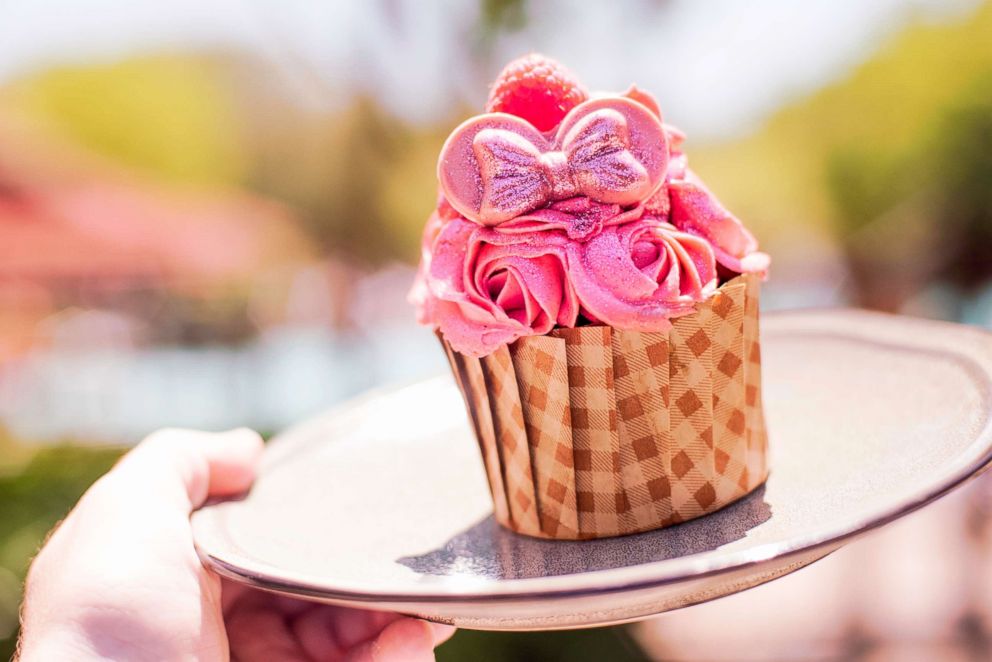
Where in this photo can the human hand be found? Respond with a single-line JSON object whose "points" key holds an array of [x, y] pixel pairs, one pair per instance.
{"points": [[119, 578]]}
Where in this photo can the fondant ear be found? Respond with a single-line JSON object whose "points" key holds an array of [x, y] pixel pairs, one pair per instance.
{"points": [[459, 171], [496, 166], [648, 143], [644, 98]]}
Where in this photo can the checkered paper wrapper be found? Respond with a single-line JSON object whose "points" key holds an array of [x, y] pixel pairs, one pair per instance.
{"points": [[595, 431]]}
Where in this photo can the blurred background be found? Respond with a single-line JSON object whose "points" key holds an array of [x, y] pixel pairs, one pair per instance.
{"points": [[210, 215]]}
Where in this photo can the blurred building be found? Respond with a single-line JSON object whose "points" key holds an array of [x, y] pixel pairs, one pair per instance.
{"points": [[80, 233]]}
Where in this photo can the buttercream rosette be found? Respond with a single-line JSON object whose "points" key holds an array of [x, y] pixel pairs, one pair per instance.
{"points": [[560, 263]]}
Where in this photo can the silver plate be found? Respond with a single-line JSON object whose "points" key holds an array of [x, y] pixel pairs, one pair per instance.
{"points": [[382, 503]]}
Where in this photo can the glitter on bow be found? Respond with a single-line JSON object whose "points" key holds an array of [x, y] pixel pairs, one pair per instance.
{"points": [[495, 167]]}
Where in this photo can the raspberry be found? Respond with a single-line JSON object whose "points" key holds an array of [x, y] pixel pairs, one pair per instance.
{"points": [[538, 89]]}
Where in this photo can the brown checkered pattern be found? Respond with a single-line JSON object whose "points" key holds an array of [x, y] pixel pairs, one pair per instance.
{"points": [[729, 417], [626, 431], [595, 439], [478, 401], [691, 380], [640, 373], [511, 437], [542, 377], [757, 437], [456, 371], [454, 360]]}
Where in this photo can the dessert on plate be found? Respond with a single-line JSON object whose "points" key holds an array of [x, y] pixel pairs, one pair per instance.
{"points": [[599, 309]]}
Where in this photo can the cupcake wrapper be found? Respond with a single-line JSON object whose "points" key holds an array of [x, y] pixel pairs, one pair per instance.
{"points": [[595, 431]]}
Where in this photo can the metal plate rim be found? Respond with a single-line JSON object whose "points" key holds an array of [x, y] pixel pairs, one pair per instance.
{"points": [[615, 580]]}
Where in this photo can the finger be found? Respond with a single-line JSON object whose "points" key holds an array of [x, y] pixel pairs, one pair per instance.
{"points": [[235, 593], [259, 634], [327, 632], [143, 505], [405, 640], [127, 543], [313, 631], [231, 594], [442, 632], [351, 627], [292, 606], [188, 466]]}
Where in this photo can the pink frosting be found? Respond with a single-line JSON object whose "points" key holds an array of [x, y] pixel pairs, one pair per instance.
{"points": [[580, 218], [420, 295], [697, 211], [534, 231], [639, 275], [484, 289]]}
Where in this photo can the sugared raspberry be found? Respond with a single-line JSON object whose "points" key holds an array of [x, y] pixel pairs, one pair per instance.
{"points": [[538, 89]]}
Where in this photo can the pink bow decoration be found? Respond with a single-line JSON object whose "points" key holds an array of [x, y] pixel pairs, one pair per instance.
{"points": [[495, 167]]}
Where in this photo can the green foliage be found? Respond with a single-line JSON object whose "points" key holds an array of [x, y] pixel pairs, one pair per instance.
{"points": [[362, 181], [613, 644], [371, 204], [32, 500], [163, 114], [962, 163], [503, 15], [892, 161]]}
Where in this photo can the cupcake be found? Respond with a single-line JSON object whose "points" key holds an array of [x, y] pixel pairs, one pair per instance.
{"points": [[599, 309]]}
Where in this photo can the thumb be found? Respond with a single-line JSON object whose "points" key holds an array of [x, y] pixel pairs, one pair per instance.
{"points": [[404, 640], [189, 466]]}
